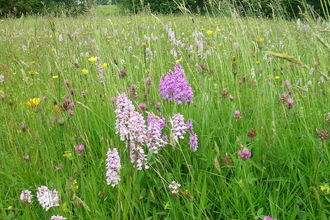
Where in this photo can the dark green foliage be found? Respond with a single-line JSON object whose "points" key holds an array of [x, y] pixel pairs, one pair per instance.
{"points": [[264, 8], [102, 2], [284, 8], [55, 8], [162, 6]]}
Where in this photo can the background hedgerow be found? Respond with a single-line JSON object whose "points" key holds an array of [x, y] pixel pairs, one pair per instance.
{"points": [[261, 118]]}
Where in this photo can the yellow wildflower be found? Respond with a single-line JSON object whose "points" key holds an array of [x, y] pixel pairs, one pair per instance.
{"points": [[186, 192], [92, 59], [260, 40], [10, 207], [104, 65], [56, 108], [14, 73], [257, 62], [33, 102], [277, 77], [325, 188], [209, 32], [67, 154], [55, 77], [84, 71]]}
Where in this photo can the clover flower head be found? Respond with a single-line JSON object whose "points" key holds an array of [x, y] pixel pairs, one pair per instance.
{"points": [[237, 114], [289, 103], [244, 154], [287, 85], [79, 149], [231, 97], [142, 106], [23, 127], [269, 218]]}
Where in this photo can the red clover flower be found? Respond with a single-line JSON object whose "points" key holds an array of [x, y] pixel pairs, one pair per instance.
{"points": [[79, 149], [269, 218], [244, 154], [237, 114]]}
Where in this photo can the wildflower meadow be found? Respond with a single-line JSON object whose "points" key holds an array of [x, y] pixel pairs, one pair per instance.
{"points": [[146, 116]]}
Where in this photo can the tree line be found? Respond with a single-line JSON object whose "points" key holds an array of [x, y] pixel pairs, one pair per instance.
{"points": [[54, 7], [264, 8]]}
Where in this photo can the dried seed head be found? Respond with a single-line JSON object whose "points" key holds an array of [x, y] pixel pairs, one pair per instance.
{"points": [[323, 135], [224, 93], [226, 160], [252, 134]]}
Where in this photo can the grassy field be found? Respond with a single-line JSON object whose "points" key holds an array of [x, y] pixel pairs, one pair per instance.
{"points": [[82, 113]]}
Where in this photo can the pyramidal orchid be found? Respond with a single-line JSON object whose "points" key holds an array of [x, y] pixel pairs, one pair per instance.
{"points": [[174, 86]]}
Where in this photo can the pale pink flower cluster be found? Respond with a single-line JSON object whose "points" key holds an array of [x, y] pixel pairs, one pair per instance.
{"points": [[57, 217], [113, 167], [237, 114], [47, 198], [174, 186], [193, 141], [138, 156], [179, 127], [124, 110], [131, 127], [155, 125], [26, 196], [269, 218]]}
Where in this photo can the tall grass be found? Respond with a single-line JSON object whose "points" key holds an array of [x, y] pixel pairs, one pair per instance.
{"points": [[287, 176]]}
